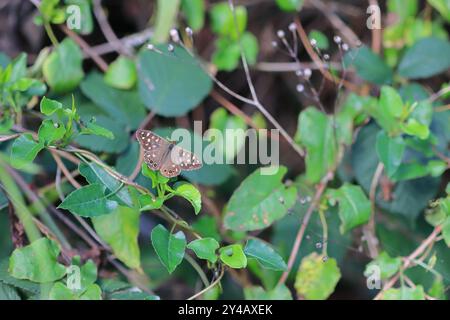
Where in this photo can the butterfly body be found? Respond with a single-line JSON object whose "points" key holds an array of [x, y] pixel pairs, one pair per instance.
{"points": [[166, 156]]}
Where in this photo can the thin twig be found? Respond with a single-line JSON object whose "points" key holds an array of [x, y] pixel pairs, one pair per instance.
{"points": [[298, 239]]}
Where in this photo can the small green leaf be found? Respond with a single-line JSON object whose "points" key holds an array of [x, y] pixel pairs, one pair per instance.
{"points": [[24, 150], [50, 131], [148, 202], [266, 256], [205, 248], [121, 73], [95, 129], [290, 5], [316, 279], [387, 265], [316, 133], [169, 247], [404, 293], [62, 69], [426, 58], [321, 40], [259, 201], [89, 201], [391, 101], [48, 106], [354, 207], [191, 194], [194, 10], [233, 256], [390, 152], [223, 20], [120, 229], [415, 128], [443, 6], [280, 292], [37, 262]]}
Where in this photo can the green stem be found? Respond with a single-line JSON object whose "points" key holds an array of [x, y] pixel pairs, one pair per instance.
{"points": [[51, 34]]}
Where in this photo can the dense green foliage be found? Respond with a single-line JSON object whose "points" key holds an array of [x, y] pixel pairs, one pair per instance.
{"points": [[88, 220]]}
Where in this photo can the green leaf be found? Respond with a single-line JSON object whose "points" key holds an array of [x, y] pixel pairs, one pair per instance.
{"points": [[443, 6], [102, 143], [369, 66], [194, 10], [95, 129], [50, 131], [437, 289], [223, 21], [390, 152], [89, 201], [233, 256], [8, 293], [428, 57], [404, 293], [320, 38], [280, 292], [148, 202], [259, 201], [266, 256], [62, 68], [59, 291], [169, 247], [227, 55], [290, 5], [24, 150], [354, 207], [37, 262], [122, 106], [191, 194], [87, 273], [120, 229], [205, 248], [316, 133], [415, 128], [387, 265], [95, 174], [121, 73], [49, 106], [173, 83], [26, 286], [316, 279], [391, 102]]}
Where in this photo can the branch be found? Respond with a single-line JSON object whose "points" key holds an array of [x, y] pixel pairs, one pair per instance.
{"points": [[301, 232]]}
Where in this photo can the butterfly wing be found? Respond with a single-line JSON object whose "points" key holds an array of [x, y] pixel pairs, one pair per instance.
{"points": [[185, 159], [169, 169], [154, 147]]}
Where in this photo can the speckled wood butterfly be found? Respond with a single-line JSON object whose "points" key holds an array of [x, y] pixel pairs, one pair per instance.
{"points": [[165, 156]]}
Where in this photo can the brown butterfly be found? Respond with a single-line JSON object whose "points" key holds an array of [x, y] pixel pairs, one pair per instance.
{"points": [[165, 156]]}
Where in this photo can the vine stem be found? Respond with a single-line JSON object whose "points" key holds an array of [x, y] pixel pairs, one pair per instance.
{"points": [[410, 259], [370, 230], [301, 232], [255, 101], [212, 285]]}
